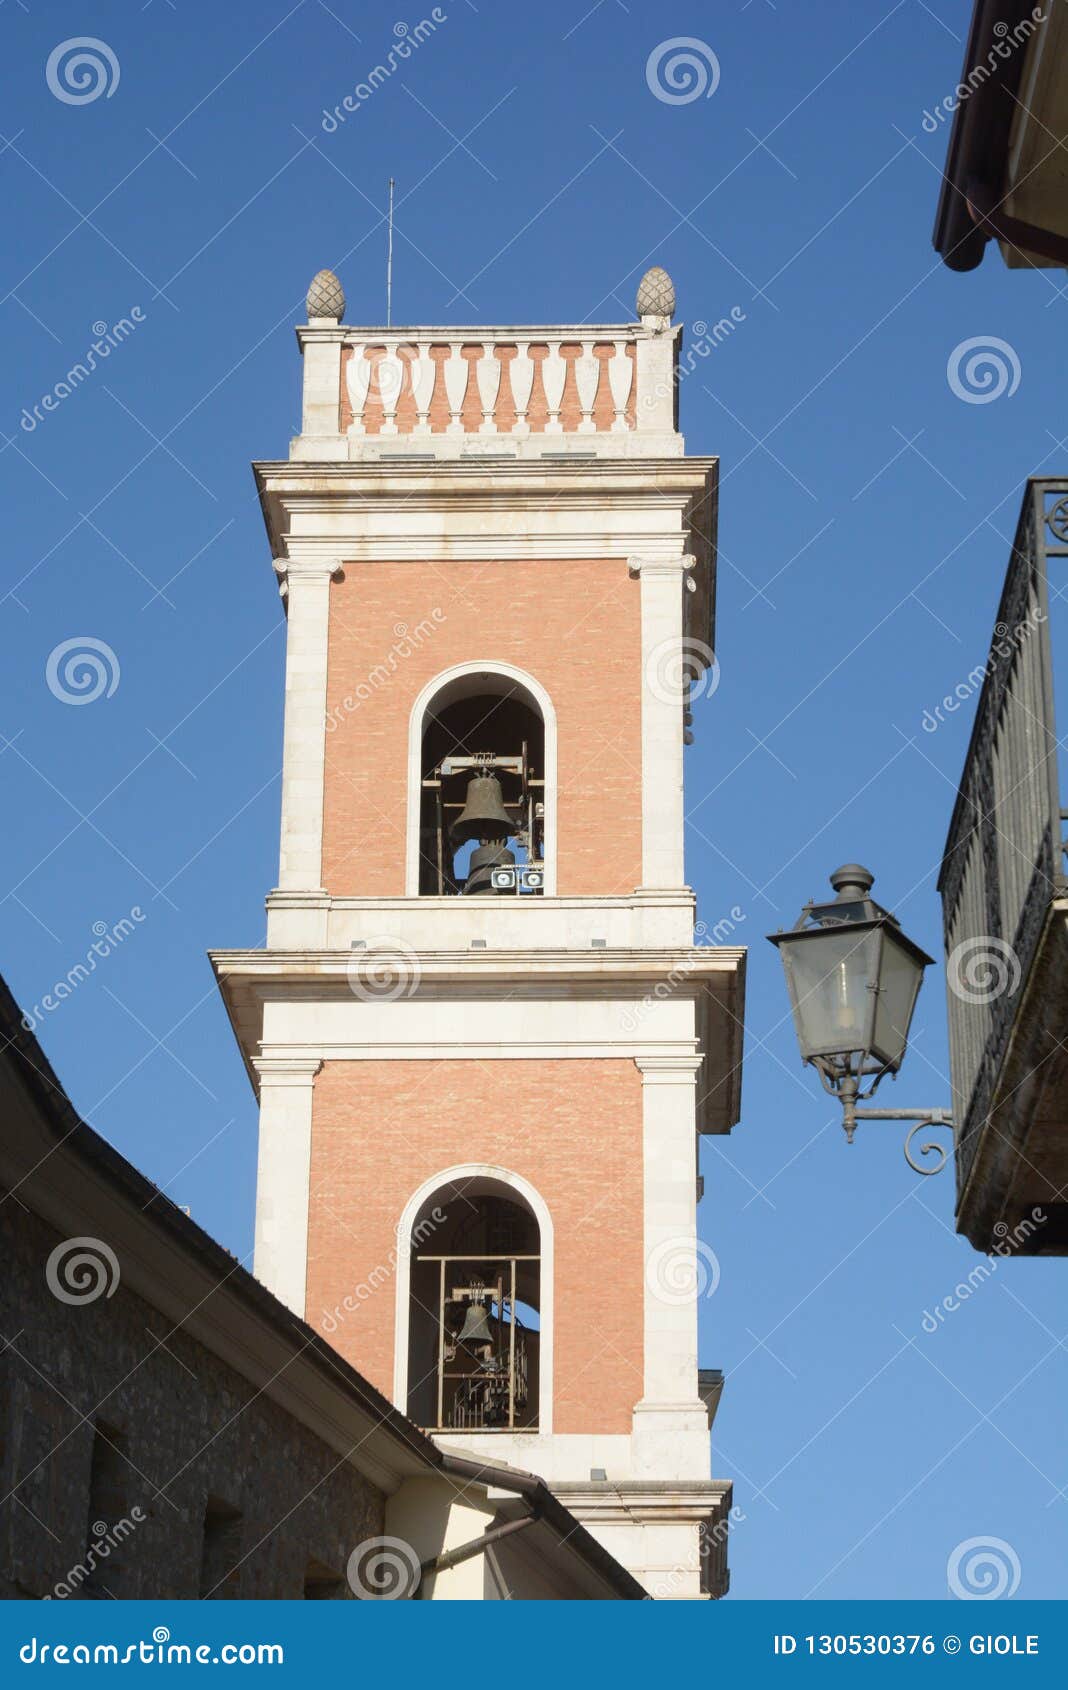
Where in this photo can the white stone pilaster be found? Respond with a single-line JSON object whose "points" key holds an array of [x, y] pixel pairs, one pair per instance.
{"points": [[662, 682], [283, 1178], [671, 1422], [321, 348], [306, 585], [656, 355]]}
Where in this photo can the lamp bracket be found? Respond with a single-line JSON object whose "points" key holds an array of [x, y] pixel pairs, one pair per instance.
{"points": [[922, 1118]]}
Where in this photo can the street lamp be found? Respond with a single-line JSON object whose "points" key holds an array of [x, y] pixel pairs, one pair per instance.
{"points": [[853, 978]]}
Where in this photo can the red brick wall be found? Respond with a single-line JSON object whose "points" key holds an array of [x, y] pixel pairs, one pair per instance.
{"points": [[571, 1128], [572, 625]]}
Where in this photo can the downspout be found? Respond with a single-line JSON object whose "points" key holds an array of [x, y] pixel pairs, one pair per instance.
{"points": [[477, 1546], [545, 1506]]}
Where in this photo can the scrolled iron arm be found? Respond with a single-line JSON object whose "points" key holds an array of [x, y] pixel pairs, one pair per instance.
{"points": [[921, 1118]]}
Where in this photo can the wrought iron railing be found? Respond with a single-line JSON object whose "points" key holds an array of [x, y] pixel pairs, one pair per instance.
{"points": [[1003, 860]]}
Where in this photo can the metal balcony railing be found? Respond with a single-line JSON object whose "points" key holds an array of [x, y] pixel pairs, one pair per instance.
{"points": [[1003, 860]]}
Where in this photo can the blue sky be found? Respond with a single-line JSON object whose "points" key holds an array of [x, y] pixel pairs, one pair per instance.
{"points": [[866, 513]]}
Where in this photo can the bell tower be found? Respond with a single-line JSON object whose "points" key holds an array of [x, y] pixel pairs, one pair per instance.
{"points": [[483, 1036]]}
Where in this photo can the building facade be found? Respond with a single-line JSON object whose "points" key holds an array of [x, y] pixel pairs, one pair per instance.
{"points": [[484, 1040], [169, 1430], [1005, 908], [1004, 177]]}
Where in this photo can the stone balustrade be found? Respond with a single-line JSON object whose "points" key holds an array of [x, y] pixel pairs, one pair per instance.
{"points": [[445, 393]]}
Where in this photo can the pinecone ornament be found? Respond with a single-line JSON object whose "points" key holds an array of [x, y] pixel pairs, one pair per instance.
{"points": [[656, 294], [326, 296]]}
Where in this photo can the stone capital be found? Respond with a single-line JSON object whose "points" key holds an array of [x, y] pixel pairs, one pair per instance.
{"points": [[669, 1070], [286, 1070], [314, 568], [669, 566]]}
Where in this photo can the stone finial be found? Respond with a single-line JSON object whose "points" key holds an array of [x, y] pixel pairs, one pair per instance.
{"points": [[656, 294], [326, 297]]}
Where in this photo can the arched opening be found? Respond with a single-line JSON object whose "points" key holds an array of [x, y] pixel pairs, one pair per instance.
{"points": [[482, 811], [474, 1293]]}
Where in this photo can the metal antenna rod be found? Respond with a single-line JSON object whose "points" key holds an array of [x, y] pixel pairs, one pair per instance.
{"points": [[389, 262]]}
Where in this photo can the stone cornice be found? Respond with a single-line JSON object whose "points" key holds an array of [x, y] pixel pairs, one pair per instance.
{"points": [[655, 507], [370, 335], [643, 897], [661, 508], [499, 476], [517, 969], [623, 1500], [709, 978]]}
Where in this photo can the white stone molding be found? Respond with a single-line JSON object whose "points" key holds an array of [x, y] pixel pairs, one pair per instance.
{"points": [[671, 563], [417, 512], [296, 919], [306, 584], [670, 1422], [662, 725], [656, 920], [667, 1070], [283, 1177], [321, 348], [462, 671], [467, 1171], [490, 1005]]}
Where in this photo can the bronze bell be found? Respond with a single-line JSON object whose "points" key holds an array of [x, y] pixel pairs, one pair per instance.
{"points": [[483, 815], [476, 1328]]}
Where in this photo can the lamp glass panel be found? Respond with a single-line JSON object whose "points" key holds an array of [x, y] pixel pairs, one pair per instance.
{"points": [[900, 977], [829, 976]]}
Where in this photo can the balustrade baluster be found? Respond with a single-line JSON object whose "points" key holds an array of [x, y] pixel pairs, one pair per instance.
{"points": [[553, 376], [359, 380], [587, 375], [488, 375], [522, 379], [455, 372], [620, 376]]}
